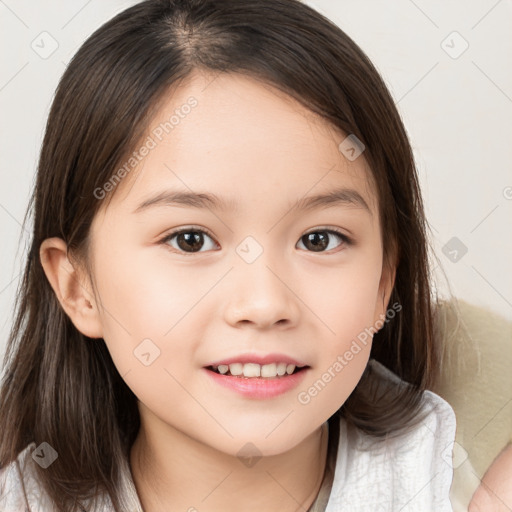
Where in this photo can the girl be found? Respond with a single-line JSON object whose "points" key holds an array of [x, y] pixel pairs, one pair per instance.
{"points": [[226, 304]]}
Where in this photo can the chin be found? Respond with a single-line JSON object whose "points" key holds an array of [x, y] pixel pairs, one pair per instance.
{"points": [[259, 443]]}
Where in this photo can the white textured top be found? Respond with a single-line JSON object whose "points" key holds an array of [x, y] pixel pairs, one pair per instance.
{"points": [[410, 473]]}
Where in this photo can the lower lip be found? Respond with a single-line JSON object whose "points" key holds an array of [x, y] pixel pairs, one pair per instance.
{"points": [[258, 387]]}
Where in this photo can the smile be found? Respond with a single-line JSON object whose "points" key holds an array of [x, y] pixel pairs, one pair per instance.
{"points": [[258, 381], [252, 370]]}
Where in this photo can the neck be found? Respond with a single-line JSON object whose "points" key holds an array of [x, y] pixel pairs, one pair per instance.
{"points": [[183, 474]]}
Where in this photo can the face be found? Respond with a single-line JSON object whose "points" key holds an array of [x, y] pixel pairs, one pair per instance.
{"points": [[255, 278]]}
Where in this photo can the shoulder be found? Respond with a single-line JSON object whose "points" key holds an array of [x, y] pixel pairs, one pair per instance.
{"points": [[409, 472], [19, 489]]}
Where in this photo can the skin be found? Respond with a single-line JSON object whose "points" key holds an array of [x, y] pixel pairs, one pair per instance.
{"points": [[254, 146], [494, 493]]}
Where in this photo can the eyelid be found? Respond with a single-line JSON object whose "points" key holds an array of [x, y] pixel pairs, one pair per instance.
{"points": [[186, 229], [346, 238]]}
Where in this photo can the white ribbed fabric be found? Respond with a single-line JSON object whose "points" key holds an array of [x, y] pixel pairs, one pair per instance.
{"points": [[411, 473]]}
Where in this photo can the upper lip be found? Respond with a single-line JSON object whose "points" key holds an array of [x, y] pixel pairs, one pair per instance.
{"points": [[258, 359]]}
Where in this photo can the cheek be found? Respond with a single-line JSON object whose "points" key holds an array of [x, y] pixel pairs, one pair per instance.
{"points": [[346, 299], [141, 288], [346, 305], [146, 308]]}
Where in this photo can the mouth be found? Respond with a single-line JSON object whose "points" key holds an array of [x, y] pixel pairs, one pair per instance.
{"points": [[257, 371], [272, 378]]}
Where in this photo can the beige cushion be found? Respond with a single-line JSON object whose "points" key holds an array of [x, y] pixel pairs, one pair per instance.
{"points": [[476, 380]]}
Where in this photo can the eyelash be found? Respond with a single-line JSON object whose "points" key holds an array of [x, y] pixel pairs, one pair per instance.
{"points": [[345, 239]]}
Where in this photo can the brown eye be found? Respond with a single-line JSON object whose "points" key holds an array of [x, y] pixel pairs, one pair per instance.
{"points": [[187, 240], [190, 240], [319, 241]]}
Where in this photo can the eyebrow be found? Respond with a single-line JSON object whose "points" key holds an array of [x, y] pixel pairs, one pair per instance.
{"points": [[204, 200]]}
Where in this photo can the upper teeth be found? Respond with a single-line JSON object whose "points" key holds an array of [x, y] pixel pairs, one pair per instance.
{"points": [[256, 370]]}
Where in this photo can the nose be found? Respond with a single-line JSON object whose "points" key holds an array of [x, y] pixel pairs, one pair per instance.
{"points": [[261, 296]]}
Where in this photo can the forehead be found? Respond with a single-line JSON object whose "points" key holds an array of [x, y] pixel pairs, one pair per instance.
{"points": [[245, 142]]}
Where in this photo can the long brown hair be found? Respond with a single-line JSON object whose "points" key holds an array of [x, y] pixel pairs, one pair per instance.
{"points": [[62, 388]]}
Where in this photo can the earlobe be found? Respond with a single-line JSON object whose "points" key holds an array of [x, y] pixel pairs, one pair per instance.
{"points": [[72, 288]]}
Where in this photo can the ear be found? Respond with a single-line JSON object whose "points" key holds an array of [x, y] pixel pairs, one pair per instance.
{"points": [[71, 286], [387, 281]]}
